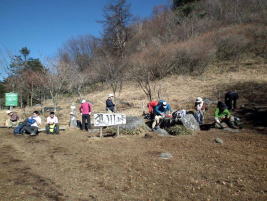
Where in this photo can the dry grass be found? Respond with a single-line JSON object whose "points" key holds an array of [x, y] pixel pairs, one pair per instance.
{"points": [[179, 91]]}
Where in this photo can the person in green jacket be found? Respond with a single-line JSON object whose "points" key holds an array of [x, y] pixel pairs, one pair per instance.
{"points": [[222, 114]]}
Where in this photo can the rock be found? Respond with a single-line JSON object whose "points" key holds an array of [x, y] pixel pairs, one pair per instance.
{"points": [[231, 130], [161, 132], [165, 155], [219, 140], [133, 122], [190, 122], [148, 136], [260, 128]]}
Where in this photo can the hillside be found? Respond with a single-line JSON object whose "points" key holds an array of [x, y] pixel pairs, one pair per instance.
{"points": [[249, 79]]}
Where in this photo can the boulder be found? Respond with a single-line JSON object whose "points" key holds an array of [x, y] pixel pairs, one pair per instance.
{"points": [[190, 122], [133, 122], [161, 132], [165, 155], [219, 140]]}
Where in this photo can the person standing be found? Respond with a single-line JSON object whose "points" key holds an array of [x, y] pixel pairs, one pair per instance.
{"points": [[110, 106], [85, 110], [231, 99]]}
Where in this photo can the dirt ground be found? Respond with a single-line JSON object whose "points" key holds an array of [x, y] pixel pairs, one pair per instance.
{"points": [[76, 167]]}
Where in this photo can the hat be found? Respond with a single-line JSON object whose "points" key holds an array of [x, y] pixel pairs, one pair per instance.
{"points": [[198, 100], [8, 111], [110, 95], [83, 101], [164, 103], [71, 113]]}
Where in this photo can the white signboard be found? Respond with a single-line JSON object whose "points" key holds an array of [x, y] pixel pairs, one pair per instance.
{"points": [[109, 119]]}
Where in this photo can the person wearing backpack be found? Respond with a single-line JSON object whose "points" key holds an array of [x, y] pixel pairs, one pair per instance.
{"points": [[52, 124], [151, 105], [160, 112], [33, 123]]}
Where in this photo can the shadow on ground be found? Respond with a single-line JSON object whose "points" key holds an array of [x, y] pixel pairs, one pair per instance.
{"points": [[252, 101]]}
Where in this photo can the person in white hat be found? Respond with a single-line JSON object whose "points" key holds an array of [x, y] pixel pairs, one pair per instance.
{"points": [[200, 109], [12, 120], [110, 106], [162, 110], [86, 109]]}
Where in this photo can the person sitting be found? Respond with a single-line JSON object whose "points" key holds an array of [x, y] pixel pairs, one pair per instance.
{"points": [[110, 106], [160, 111], [12, 120], [52, 124], [222, 114], [231, 99], [33, 123], [200, 109]]}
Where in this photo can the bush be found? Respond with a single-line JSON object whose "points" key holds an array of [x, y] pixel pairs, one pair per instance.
{"points": [[231, 47], [179, 130]]}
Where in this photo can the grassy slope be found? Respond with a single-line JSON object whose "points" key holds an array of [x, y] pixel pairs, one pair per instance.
{"points": [[250, 80]]}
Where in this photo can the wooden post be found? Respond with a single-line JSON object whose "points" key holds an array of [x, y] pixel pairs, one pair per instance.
{"points": [[101, 132], [118, 131]]}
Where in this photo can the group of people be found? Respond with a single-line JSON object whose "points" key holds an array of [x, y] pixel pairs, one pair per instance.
{"points": [[159, 110], [31, 124]]}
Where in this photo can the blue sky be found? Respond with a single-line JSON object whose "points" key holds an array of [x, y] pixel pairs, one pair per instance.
{"points": [[44, 25]]}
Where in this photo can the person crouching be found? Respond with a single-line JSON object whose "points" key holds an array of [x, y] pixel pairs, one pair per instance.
{"points": [[161, 111], [222, 114], [52, 124]]}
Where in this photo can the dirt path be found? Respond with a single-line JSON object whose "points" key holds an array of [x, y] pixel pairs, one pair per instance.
{"points": [[74, 167]]}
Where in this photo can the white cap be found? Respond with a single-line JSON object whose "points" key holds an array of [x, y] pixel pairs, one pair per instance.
{"points": [[71, 113], [164, 103], [8, 111], [110, 95], [83, 101], [198, 100]]}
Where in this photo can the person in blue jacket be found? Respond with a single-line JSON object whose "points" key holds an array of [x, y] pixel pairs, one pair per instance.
{"points": [[110, 106], [161, 110]]}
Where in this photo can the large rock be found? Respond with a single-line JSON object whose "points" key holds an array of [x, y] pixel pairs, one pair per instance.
{"points": [[190, 122], [161, 132], [133, 122]]}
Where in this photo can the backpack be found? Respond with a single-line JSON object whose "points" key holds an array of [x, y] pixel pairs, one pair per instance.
{"points": [[30, 121], [19, 129], [51, 129]]}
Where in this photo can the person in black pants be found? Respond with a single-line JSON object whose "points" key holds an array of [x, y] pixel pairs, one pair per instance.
{"points": [[231, 99], [110, 106], [86, 109]]}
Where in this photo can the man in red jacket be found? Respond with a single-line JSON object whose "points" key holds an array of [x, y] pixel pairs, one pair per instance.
{"points": [[86, 110]]}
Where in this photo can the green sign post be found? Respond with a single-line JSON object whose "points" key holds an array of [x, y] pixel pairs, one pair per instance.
{"points": [[11, 99]]}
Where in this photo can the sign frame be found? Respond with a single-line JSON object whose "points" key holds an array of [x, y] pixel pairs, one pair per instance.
{"points": [[11, 99]]}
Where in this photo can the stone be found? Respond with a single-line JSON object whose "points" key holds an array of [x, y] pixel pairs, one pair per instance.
{"points": [[219, 140], [190, 122], [165, 155], [133, 122], [231, 130], [161, 132]]}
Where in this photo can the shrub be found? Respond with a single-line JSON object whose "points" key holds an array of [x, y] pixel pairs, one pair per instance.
{"points": [[179, 130]]}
